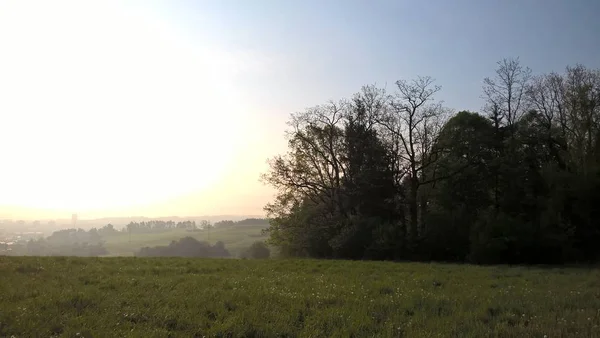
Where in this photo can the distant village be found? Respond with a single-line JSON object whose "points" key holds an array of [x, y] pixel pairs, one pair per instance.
{"points": [[15, 231]]}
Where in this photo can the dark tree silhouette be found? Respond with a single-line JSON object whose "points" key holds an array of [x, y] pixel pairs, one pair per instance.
{"points": [[397, 176]]}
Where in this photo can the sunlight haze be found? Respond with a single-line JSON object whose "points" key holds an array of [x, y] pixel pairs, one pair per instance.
{"points": [[107, 108], [173, 107]]}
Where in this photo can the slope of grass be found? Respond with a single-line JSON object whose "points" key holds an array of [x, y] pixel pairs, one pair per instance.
{"points": [[160, 297], [236, 239]]}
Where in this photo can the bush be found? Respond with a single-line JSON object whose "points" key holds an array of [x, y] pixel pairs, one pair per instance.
{"points": [[258, 250]]}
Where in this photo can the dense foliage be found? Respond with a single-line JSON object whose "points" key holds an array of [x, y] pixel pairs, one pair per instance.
{"points": [[186, 247], [399, 176]]}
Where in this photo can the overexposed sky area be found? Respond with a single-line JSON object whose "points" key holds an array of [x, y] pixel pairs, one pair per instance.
{"points": [[106, 107], [162, 108]]}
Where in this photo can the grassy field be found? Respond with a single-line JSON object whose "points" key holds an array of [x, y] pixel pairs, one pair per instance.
{"points": [[236, 239], [161, 297]]}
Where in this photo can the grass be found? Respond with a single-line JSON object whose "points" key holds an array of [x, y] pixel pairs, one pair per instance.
{"points": [[162, 297], [236, 239]]}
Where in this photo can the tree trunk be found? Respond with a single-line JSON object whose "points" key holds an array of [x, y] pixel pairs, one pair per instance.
{"points": [[423, 215], [413, 210]]}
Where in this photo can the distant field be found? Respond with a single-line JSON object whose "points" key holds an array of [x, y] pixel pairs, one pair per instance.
{"points": [[236, 239], [161, 297]]}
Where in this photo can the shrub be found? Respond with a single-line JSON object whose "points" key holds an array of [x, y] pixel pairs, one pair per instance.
{"points": [[258, 250]]}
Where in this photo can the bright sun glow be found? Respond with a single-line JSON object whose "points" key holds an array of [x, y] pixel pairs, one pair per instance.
{"points": [[102, 106]]}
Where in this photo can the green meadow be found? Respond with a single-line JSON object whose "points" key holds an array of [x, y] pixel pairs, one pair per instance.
{"points": [[177, 297]]}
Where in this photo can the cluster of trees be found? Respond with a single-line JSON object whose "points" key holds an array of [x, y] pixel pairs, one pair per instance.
{"points": [[247, 221], [69, 236], [399, 176], [186, 247], [225, 223], [68, 242], [253, 221], [106, 230]]}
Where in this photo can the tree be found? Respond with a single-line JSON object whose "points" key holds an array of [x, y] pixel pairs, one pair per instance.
{"points": [[368, 185], [94, 236], [414, 122], [505, 94], [107, 230], [467, 143], [205, 225], [582, 121], [308, 180], [506, 101]]}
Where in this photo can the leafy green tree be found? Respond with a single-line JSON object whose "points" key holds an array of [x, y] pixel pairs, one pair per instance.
{"points": [[465, 149], [309, 208], [368, 185]]}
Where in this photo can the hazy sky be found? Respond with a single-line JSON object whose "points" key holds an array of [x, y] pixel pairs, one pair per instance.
{"points": [[172, 107]]}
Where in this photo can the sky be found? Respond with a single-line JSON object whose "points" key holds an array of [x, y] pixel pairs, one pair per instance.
{"points": [[158, 108]]}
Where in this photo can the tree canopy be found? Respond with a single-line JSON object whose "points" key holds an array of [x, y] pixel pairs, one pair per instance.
{"points": [[396, 175]]}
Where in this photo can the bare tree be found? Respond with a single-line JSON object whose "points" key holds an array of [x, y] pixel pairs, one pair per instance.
{"points": [[374, 100], [569, 108], [505, 94], [546, 95], [413, 123], [582, 110]]}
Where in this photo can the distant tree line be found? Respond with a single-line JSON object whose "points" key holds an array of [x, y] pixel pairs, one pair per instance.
{"points": [[247, 221], [160, 225], [186, 247], [153, 226], [398, 176], [225, 223], [156, 226]]}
